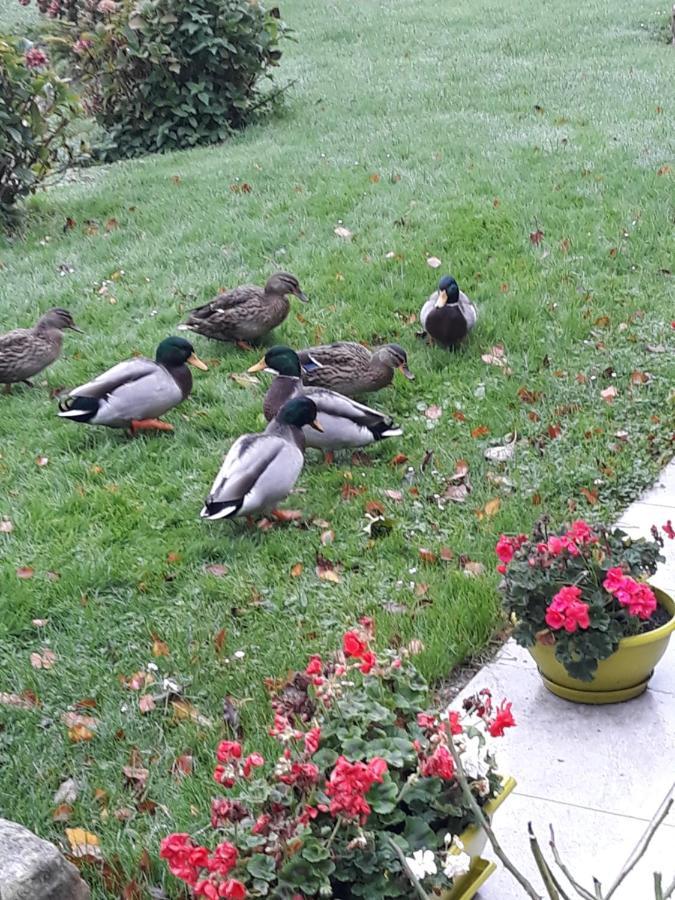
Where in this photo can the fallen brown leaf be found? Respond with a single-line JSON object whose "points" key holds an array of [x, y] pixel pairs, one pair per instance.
{"points": [[480, 431], [590, 495], [374, 508], [183, 765], [446, 554], [111, 224], [536, 236], [609, 393], [83, 844], [146, 703], [6, 526], [434, 262], [327, 537], [67, 791], [343, 233], [490, 509], [528, 396], [296, 570], [396, 496], [73, 719], [79, 733], [159, 647], [25, 572], [427, 556], [399, 459], [25, 700], [43, 660], [473, 569], [62, 813], [433, 412], [136, 776], [638, 377], [456, 492], [325, 569], [185, 710], [216, 569]]}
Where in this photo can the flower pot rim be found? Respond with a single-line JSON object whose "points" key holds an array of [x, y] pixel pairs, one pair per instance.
{"points": [[508, 784]]}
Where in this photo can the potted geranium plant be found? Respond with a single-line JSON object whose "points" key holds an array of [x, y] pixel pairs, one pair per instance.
{"points": [[580, 603], [363, 800]]}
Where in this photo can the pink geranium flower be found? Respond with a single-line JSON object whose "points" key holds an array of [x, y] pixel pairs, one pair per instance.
{"points": [[567, 611]]}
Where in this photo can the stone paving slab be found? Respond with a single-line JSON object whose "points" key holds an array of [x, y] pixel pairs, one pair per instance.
{"points": [[597, 774]]}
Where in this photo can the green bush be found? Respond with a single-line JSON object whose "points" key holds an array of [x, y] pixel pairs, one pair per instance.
{"points": [[167, 74], [35, 109]]}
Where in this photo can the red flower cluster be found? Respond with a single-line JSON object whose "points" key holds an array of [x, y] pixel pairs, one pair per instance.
{"points": [[188, 861], [348, 785], [354, 646], [439, 764], [304, 775], [35, 58], [567, 611], [229, 755], [636, 596], [506, 548]]}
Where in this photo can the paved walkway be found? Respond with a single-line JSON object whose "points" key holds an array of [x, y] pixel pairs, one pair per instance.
{"points": [[597, 774]]}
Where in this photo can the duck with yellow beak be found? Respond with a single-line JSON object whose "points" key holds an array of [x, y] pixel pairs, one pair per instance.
{"points": [[448, 315], [133, 394]]}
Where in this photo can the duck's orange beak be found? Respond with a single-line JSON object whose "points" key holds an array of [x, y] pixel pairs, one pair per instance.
{"points": [[316, 425], [258, 367], [194, 360]]}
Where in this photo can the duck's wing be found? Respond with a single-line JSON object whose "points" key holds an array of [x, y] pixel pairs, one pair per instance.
{"points": [[469, 310], [345, 422], [426, 309], [131, 371], [134, 389], [258, 471], [240, 296]]}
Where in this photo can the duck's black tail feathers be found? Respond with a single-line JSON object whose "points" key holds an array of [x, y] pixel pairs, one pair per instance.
{"points": [[81, 408]]}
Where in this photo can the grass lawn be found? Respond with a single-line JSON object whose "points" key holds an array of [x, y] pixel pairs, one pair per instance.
{"points": [[447, 130]]}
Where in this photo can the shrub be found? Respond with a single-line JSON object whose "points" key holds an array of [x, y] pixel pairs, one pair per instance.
{"points": [[581, 589], [35, 108], [167, 74], [364, 799]]}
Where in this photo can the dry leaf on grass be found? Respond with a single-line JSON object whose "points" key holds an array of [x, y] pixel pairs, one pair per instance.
{"points": [[504, 452], [396, 496], [456, 492], [609, 393], [433, 262], [79, 733], [25, 572], [183, 765], [72, 719], [296, 570], [185, 710], [325, 569], [6, 526], [26, 700], [67, 791], [43, 660], [490, 509], [159, 647], [343, 232], [83, 844], [473, 569], [217, 569], [427, 555], [62, 813], [146, 703], [136, 776]]}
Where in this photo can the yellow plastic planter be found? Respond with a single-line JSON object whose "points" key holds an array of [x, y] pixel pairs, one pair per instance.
{"points": [[474, 839], [621, 676]]}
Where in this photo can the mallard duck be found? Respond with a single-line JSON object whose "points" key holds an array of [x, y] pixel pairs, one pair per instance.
{"points": [[134, 393], [260, 470], [350, 368], [448, 315], [246, 312], [344, 422], [25, 352]]}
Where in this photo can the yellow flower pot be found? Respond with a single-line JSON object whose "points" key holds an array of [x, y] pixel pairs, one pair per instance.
{"points": [[621, 676], [474, 839]]}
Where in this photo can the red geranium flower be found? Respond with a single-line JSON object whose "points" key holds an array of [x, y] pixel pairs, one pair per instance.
{"points": [[254, 761], [312, 739], [228, 750], [352, 645], [314, 666], [368, 660], [568, 611], [439, 764], [503, 719]]}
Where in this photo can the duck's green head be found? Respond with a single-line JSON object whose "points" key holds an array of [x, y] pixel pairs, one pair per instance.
{"points": [[175, 351], [300, 411], [448, 291], [281, 360]]}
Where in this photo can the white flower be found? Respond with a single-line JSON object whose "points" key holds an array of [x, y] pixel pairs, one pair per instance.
{"points": [[422, 863], [474, 758], [456, 862]]}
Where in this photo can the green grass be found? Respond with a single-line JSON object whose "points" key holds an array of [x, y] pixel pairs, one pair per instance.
{"points": [[482, 121]]}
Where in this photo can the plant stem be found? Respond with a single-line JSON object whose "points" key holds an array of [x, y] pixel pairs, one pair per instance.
{"points": [[555, 891], [481, 818], [333, 833], [641, 846], [419, 890], [563, 868]]}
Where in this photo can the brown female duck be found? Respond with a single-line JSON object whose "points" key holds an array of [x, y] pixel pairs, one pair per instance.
{"points": [[246, 312], [25, 352], [350, 368]]}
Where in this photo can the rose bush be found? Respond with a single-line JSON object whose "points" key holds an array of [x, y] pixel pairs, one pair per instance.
{"points": [[35, 108], [582, 589], [363, 797]]}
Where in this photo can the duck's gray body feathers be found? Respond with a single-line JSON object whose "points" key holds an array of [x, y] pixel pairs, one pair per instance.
{"points": [[136, 389], [259, 471], [347, 367], [345, 423]]}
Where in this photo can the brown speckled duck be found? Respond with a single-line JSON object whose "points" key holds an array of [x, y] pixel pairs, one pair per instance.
{"points": [[25, 352], [350, 368], [246, 312]]}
